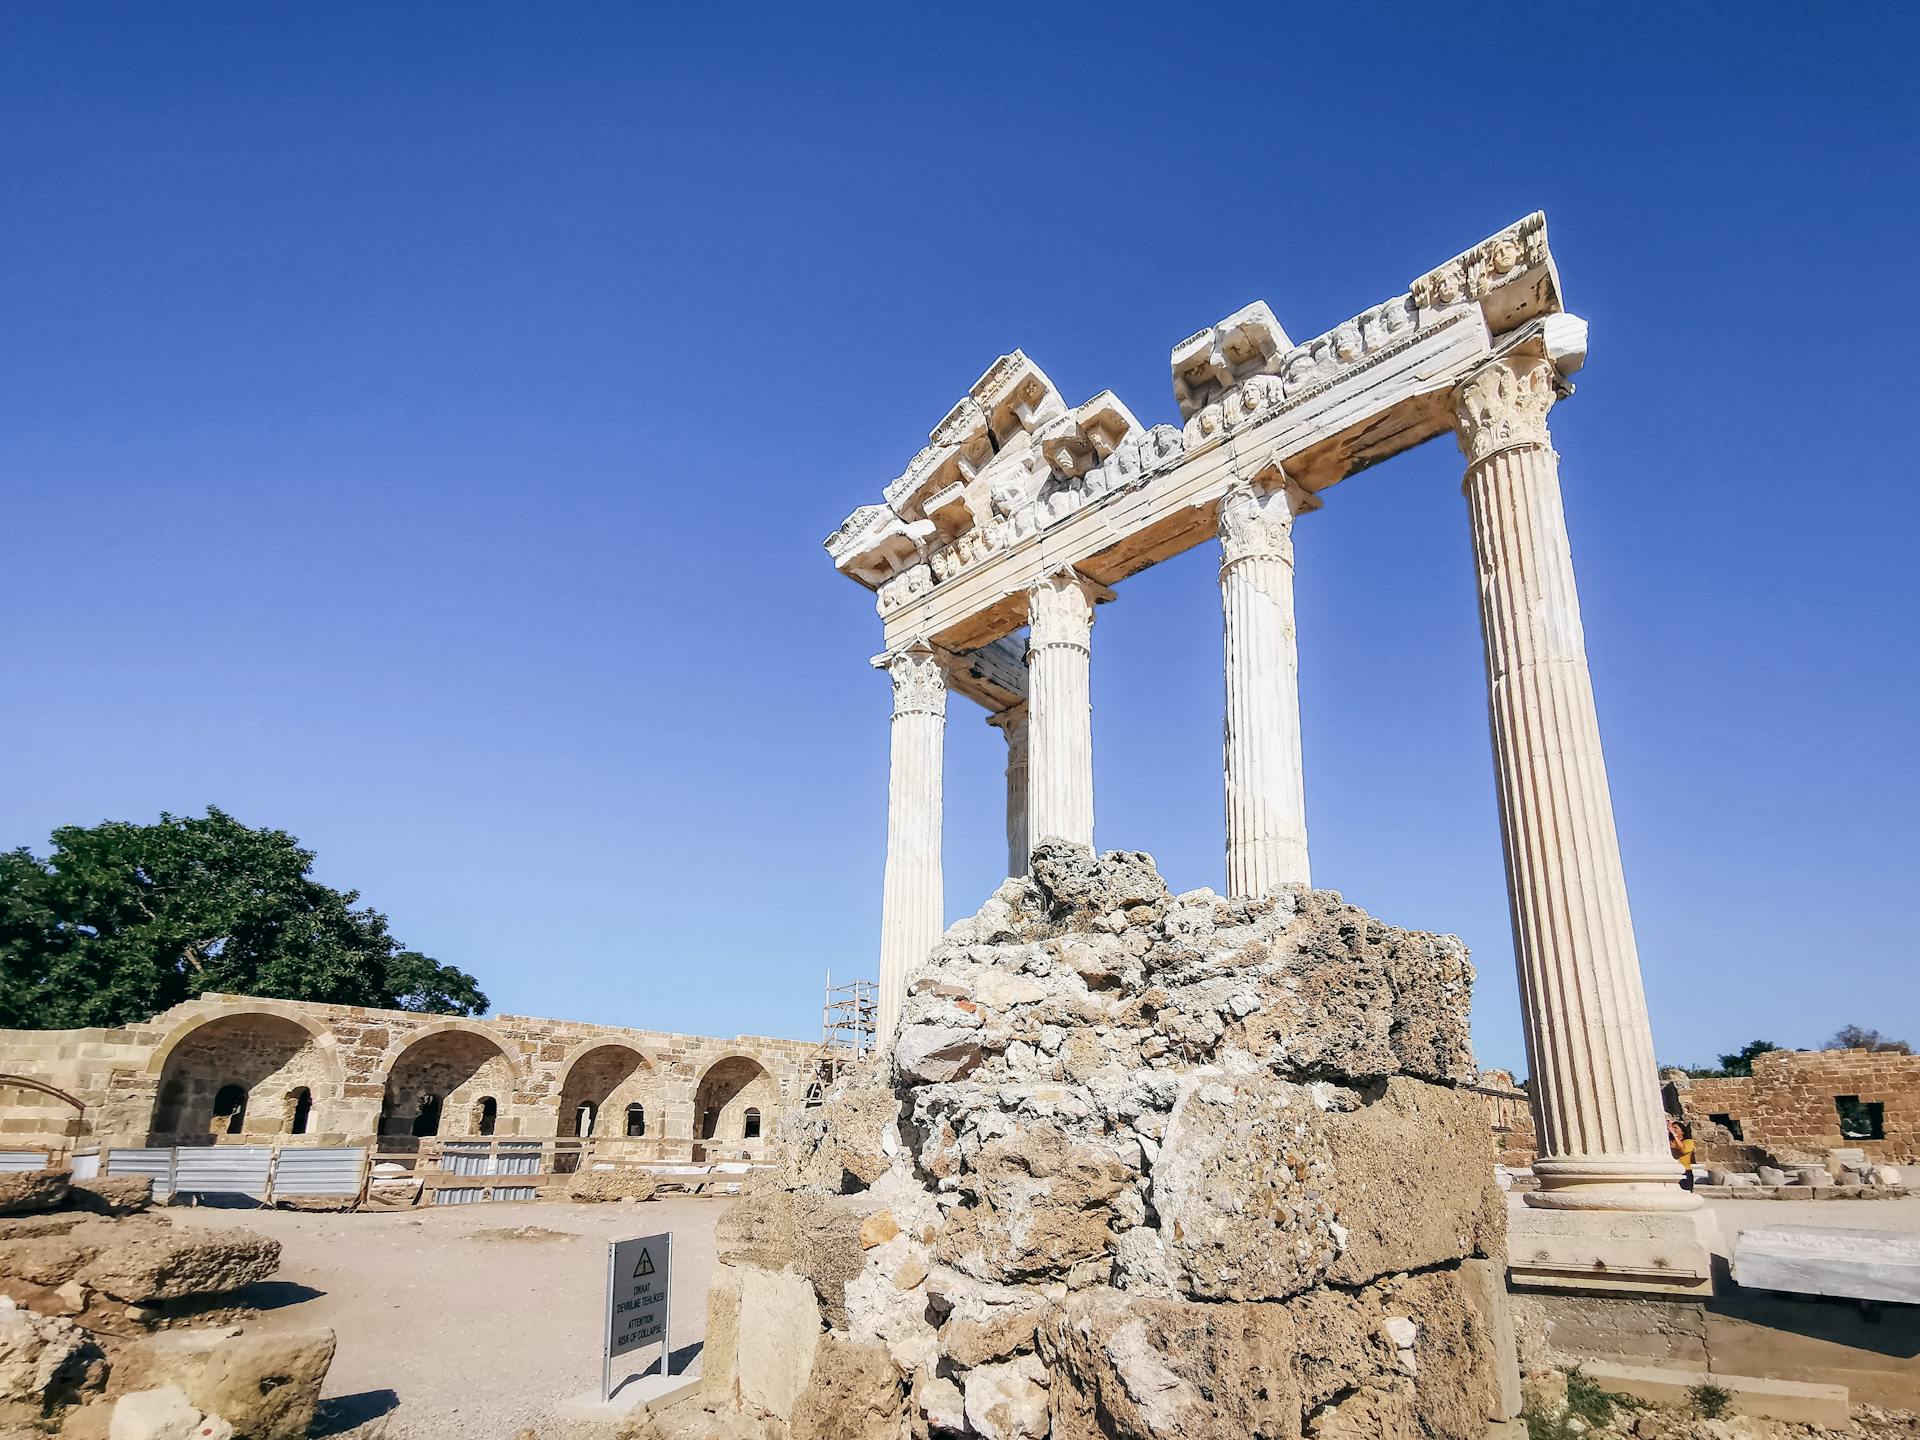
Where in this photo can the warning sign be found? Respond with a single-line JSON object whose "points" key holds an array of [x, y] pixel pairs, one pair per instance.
{"points": [[639, 1272]]}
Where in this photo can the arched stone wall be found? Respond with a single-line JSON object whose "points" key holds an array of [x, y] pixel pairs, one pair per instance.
{"points": [[31, 1109], [730, 1087], [269, 1056], [458, 1067], [611, 1077]]}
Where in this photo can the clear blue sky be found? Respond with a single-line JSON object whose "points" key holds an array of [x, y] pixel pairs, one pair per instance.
{"points": [[418, 425]]}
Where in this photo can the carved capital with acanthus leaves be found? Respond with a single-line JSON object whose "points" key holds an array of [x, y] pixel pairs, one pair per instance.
{"points": [[1256, 523], [1503, 406], [1060, 611], [919, 682]]}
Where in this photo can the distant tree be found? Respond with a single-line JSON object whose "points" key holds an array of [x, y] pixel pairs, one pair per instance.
{"points": [[1852, 1037], [123, 920], [1740, 1062]]}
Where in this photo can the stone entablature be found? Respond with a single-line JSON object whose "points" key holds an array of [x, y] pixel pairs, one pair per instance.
{"points": [[341, 1074], [1789, 1107], [982, 513]]}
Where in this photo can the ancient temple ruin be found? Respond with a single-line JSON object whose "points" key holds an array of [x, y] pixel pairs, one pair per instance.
{"points": [[1021, 514]]}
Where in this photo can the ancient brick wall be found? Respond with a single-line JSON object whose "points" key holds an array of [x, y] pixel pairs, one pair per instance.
{"points": [[349, 1073], [1789, 1107], [1510, 1117]]}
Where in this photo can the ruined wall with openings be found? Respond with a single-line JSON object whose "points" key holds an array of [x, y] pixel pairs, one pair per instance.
{"points": [[1802, 1103]]}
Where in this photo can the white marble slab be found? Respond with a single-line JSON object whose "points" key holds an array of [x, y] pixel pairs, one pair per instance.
{"points": [[1857, 1264]]}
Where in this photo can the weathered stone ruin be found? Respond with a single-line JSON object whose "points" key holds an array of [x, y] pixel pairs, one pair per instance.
{"points": [[1141, 1165], [116, 1323]]}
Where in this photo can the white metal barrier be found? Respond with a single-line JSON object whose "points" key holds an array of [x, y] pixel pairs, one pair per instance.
{"points": [[25, 1159], [319, 1172]]}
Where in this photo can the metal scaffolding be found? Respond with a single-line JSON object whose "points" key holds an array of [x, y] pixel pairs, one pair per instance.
{"points": [[849, 1021]]}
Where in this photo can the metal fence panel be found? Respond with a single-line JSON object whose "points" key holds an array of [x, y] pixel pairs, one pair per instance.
{"points": [[459, 1195], [515, 1192], [224, 1170], [24, 1159], [331, 1171], [86, 1164], [157, 1165]]}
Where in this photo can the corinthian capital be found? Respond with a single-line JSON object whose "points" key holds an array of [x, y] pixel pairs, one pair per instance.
{"points": [[919, 682], [1504, 406], [1060, 610], [1256, 523]]}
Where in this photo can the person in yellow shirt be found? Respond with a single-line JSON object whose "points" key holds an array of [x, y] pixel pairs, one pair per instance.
{"points": [[1680, 1142]]}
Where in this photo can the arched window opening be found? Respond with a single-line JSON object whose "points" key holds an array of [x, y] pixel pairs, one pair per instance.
{"points": [[750, 1128], [486, 1115], [299, 1111], [636, 1121], [230, 1110], [583, 1119], [427, 1120]]}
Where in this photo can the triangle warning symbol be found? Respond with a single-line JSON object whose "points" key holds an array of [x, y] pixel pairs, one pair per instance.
{"points": [[645, 1267]]}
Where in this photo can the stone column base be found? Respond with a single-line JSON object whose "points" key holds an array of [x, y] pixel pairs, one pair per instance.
{"points": [[1650, 1252]]}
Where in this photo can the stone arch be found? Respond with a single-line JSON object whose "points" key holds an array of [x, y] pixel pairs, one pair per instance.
{"points": [[265, 1051], [609, 1075], [730, 1087], [439, 1075]]}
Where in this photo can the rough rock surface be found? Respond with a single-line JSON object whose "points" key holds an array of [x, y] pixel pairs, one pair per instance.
{"points": [[1141, 1164], [621, 1183], [22, 1191], [112, 1194], [265, 1385]]}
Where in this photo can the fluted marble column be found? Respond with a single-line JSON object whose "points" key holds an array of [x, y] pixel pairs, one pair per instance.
{"points": [[912, 898], [1012, 723], [1596, 1098], [1059, 710], [1266, 784]]}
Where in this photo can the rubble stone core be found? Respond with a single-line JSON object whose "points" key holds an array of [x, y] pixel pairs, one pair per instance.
{"points": [[1138, 1164]]}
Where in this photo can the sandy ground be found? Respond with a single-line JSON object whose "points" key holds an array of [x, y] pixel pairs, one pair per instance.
{"points": [[469, 1321]]}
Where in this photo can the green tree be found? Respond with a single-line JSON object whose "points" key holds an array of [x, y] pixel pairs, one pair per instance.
{"points": [[1852, 1037], [122, 921], [1740, 1062]]}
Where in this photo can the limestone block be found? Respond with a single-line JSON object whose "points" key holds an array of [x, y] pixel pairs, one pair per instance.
{"points": [[26, 1190], [1664, 1252], [1009, 1401], [167, 1265], [43, 1358], [1485, 1282], [1411, 1180], [854, 1393], [266, 1385], [815, 1236], [1044, 1206], [720, 1356], [1857, 1264], [779, 1331], [164, 1414], [621, 1182], [1243, 1187], [112, 1195]]}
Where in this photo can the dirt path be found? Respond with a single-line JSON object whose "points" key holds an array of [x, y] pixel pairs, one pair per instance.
{"points": [[468, 1321]]}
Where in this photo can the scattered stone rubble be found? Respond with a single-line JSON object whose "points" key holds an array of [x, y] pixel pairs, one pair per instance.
{"points": [[1144, 1165], [98, 1295]]}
